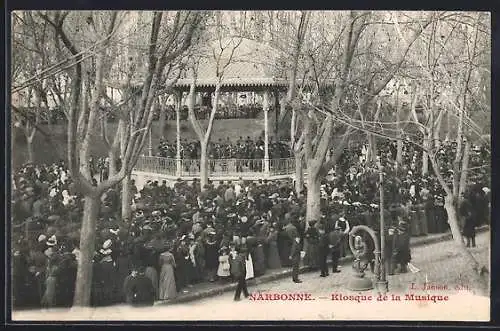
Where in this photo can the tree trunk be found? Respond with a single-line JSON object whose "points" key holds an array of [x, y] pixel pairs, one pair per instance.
{"points": [[480, 274], [126, 198], [87, 249], [436, 135], [29, 145], [372, 148], [368, 148], [425, 155], [464, 169], [437, 139], [203, 166], [313, 211], [399, 151], [292, 127], [299, 173], [113, 158]]}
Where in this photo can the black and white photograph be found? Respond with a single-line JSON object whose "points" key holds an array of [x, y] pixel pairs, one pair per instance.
{"points": [[258, 165]]}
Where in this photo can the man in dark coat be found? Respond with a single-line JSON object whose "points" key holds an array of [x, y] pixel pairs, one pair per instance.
{"points": [[295, 258], [20, 281], [390, 250], [335, 242], [402, 247], [239, 271], [469, 210], [65, 286], [138, 288], [285, 241], [323, 249]]}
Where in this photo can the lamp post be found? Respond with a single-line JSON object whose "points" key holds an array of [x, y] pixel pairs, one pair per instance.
{"points": [[382, 284], [359, 249], [178, 103]]}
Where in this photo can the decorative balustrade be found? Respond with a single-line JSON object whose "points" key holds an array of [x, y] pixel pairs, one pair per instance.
{"points": [[282, 166], [157, 165], [217, 167]]}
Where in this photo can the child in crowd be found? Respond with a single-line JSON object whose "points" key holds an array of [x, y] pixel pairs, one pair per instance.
{"points": [[223, 272]]}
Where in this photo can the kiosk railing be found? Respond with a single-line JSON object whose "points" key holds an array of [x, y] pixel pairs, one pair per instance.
{"points": [[217, 167]]}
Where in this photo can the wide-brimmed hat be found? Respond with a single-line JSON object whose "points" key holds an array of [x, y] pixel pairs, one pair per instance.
{"points": [[274, 196], [107, 244], [52, 241], [147, 227]]}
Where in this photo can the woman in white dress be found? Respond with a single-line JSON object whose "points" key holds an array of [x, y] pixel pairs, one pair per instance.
{"points": [[249, 263], [167, 284]]}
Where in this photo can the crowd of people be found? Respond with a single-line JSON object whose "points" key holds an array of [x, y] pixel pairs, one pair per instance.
{"points": [[182, 235], [240, 148], [223, 112]]}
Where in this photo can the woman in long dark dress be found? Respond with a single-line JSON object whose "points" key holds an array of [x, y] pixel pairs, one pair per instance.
{"points": [[312, 237], [273, 257], [20, 274], [123, 267], [211, 256], [469, 230], [184, 266], [105, 278], [258, 257], [65, 287]]}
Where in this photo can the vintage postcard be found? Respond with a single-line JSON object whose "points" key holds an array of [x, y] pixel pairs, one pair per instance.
{"points": [[250, 165]]}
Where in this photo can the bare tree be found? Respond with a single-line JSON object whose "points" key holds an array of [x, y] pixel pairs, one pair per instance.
{"points": [[459, 98], [464, 134], [31, 55], [222, 53], [83, 117], [316, 153]]}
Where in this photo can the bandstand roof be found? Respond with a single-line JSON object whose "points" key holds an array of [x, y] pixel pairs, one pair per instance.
{"points": [[252, 67]]}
